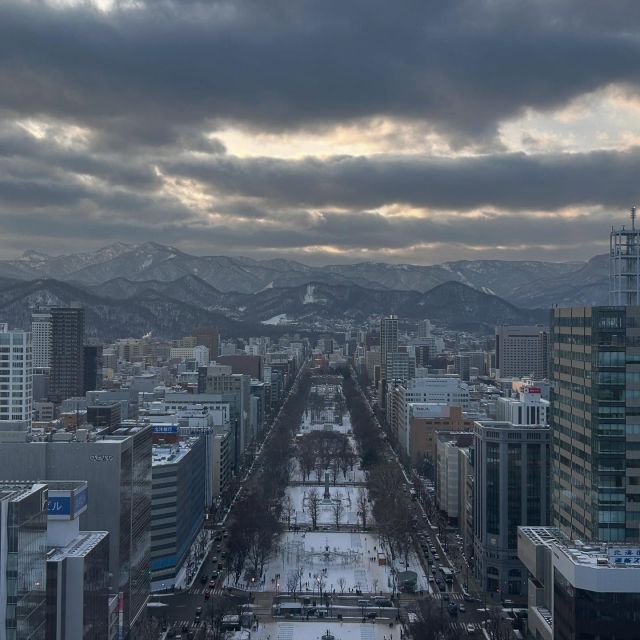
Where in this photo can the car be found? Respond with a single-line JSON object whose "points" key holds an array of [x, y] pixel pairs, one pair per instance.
{"points": [[436, 557], [198, 612], [443, 587], [214, 575], [461, 608], [207, 594], [214, 559], [467, 597], [204, 578], [471, 630], [445, 596], [212, 584], [431, 579], [452, 607], [434, 570]]}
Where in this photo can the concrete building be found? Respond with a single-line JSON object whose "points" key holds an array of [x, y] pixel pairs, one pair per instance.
{"points": [[526, 408], [511, 488], [447, 390], [23, 545], [522, 351], [448, 472], [77, 584], [41, 340], [419, 424], [595, 417], [465, 499], [579, 590], [401, 366], [117, 468], [67, 341], [388, 342], [208, 337], [247, 364], [16, 384], [92, 367], [177, 506]]}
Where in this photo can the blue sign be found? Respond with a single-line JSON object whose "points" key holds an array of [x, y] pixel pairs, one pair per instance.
{"points": [[59, 505], [165, 428]]}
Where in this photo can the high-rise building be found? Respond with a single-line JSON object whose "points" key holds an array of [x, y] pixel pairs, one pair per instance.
{"points": [[23, 546], [595, 417], [527, 408], [92, 367], [177, 506], [624, 264], [67, 341], [578, 589], [511, 488], [16, 385], [521, 351], [77, 567], [388, 342], [208, 337], [41, 337], [117, 468]]}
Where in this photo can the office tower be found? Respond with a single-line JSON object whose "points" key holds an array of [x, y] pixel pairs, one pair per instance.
{"points": [[208, 337], [177, 507], [41, 338], [388, 342], [77, 589], [578, 589], [23, 546], [511, 483], [92, 367], [234, 388], [401, 366], [16, 390], [117, 468], [624, 264], [424, 329], [521, 351], [67, 341], [595, 416], [422, 356]]}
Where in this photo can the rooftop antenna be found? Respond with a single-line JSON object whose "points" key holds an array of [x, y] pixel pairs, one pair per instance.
{"points": [[633, 218]]}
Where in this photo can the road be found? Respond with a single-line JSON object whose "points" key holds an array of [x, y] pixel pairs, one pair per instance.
{"points": [[181, 608]]}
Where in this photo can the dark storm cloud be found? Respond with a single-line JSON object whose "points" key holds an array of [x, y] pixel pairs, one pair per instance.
{"points": [[461, 66], [506, 181]]}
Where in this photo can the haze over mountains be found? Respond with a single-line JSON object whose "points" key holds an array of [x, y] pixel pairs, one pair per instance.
{"points": [[160, 288]]}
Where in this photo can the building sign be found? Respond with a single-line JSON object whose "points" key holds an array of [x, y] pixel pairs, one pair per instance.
{"points": [[165, 428], [100, 458], [59, 505], [624, 555], [533, 390]]}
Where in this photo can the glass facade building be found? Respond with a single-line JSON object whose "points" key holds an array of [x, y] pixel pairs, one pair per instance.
{"points": [[23, 549], [595, 418]]}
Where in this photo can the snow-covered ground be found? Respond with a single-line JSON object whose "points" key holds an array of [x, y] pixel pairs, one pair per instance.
{"points": [[347, 494], [341, 427], [328, 557], [290, 630]]}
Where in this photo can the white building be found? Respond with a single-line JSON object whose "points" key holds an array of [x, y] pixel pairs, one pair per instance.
{"points": [[448, 476], [41, 339], [16, 380], [201, 355], [449, 390], [528, 408]]}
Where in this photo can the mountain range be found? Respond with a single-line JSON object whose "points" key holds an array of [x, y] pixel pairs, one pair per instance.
{"points": [[129, 290], [523, 283]]}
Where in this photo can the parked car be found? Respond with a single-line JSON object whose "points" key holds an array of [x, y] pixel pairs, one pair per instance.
{"points": [[204, 578]]}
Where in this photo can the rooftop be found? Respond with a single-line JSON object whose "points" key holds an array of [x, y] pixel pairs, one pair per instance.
{"points": [[165, 454], [79, 547]]}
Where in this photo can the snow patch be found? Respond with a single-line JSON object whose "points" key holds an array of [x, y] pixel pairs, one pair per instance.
{"points": [[309, 297], [276, 320]]}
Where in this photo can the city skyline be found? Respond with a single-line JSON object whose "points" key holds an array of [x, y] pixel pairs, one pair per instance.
{"points": [[330, 133]]}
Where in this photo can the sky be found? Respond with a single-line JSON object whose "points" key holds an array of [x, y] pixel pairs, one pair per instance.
{"points": [[324, 131]]}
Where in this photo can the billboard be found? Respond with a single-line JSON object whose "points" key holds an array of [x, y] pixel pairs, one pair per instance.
{"points": [[67, 504]]}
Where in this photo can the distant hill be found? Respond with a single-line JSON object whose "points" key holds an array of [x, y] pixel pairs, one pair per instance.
{"points": [[523, 283], [120, 307]]}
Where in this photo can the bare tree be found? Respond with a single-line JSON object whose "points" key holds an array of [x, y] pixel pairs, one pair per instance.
{"points": [[313, 505], [338, 510], [362, 505], [342, 583], [294, 582], [217, 608], [498, 627], [148, 628], [288, 509]]}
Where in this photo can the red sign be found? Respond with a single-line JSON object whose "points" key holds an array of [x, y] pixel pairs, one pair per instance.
{"points": [[532, 390]]}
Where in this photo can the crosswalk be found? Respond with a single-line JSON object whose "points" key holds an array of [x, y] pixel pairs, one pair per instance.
{"points": [[198, 590], [452, 596], [461, 625]]}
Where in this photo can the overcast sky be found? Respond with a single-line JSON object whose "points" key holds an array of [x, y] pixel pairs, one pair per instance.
{"points": [[321, 130]]}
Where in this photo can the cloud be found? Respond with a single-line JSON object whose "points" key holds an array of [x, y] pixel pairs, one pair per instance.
{"points": [[504, 181], [461, 66]]}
